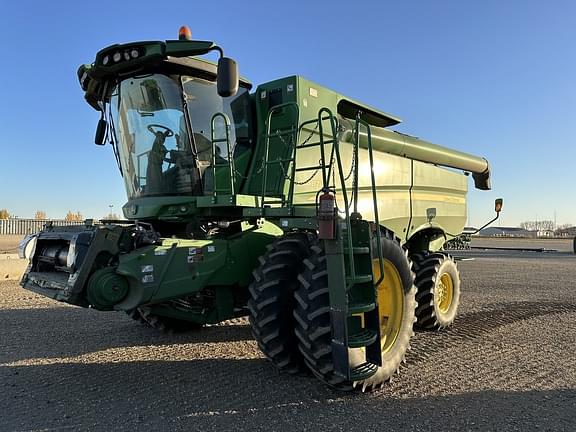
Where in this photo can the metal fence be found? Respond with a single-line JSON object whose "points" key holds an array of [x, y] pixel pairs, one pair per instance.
{"points": [[29, 226]]}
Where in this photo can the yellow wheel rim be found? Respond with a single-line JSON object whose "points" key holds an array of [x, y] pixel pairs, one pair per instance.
{"points": [[445, 292], [390, 294]]}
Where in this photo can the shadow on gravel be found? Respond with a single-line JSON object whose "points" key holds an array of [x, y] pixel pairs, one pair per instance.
{"points": [[242, 394], [472, 326], [54, 332], [513, 254], [25, 331]]}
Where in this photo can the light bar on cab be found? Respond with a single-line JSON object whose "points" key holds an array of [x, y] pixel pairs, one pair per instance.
{"points": [[121, 55]]}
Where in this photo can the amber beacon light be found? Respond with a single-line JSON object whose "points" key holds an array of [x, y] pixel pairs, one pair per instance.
{"points": [[184, 33]]}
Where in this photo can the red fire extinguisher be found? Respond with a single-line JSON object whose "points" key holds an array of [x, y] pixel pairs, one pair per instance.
{"points": [[326, 215]]}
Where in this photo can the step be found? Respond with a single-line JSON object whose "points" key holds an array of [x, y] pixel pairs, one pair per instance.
{"points": [[360, 307], [363, 371], [272, 202], [363, 250], [363, 338], [358, 279]]}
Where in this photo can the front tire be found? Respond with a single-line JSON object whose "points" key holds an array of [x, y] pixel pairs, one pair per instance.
{"points": [[396, 302], [438, 283], [272, 301]]}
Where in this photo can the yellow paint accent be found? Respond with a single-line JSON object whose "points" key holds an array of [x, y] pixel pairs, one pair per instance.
{"points": [[445, 292], [362, 320], [390, 294]]}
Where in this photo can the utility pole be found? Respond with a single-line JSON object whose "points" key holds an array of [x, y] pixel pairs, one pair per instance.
{"points": [[555, 220]]}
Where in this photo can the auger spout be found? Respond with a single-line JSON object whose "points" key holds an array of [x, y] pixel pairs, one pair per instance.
{"points": [[400, 144]]}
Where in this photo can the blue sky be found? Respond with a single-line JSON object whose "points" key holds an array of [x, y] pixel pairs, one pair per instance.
{"points": [[492, 78]]}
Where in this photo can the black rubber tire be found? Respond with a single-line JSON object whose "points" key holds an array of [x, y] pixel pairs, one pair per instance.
{"points": [[166, 324], [313, 327], [574, 245], [429, 268], [271, 302]]}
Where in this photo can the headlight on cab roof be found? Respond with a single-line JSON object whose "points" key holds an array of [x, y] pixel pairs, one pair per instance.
{"points": [[27, 246], [120, 55]]}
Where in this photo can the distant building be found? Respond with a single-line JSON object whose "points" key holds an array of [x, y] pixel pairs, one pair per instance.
{"points": [[507, 232], [566, 232]]}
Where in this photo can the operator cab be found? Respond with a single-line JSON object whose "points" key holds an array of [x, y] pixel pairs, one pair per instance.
{"points": [[169, 114], [163, 128]]}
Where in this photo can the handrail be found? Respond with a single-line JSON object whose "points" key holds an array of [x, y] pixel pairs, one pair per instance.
{"points": [[360, 122], [321, 143], [336, 152], [271, 111], [230, 156]]}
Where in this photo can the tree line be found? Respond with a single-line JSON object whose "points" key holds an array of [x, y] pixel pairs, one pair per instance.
{"points": [[41, 215], [543, 225]]}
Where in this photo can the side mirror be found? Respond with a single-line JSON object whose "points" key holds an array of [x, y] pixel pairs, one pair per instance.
{"points": [[498, 205], [101, 132], [498, 209], [227, 81]]}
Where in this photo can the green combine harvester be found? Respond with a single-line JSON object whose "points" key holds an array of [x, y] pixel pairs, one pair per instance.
{"points": [[292, 204]]}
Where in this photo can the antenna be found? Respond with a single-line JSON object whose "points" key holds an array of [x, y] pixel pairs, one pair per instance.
{"points": [[555, 220]]}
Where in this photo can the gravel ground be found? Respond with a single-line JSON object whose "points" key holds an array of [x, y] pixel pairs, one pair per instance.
{"points": [[9, 243], [507, 364], [557, 244]]}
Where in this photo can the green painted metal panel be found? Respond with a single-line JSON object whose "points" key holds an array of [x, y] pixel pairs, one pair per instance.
{"points": [[181, 267], [228, 201]]}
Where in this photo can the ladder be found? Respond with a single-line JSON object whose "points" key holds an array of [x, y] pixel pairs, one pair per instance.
{"points": [[288, 136], [352, 287], [287, 162], [355, 320]]}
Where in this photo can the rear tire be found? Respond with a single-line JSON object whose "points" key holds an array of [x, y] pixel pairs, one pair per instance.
{"points": [[314, 321], [438, 284], [271, 302]]}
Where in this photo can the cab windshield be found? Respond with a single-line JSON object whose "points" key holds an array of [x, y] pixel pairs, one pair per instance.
{"points": [[159, 150]]}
